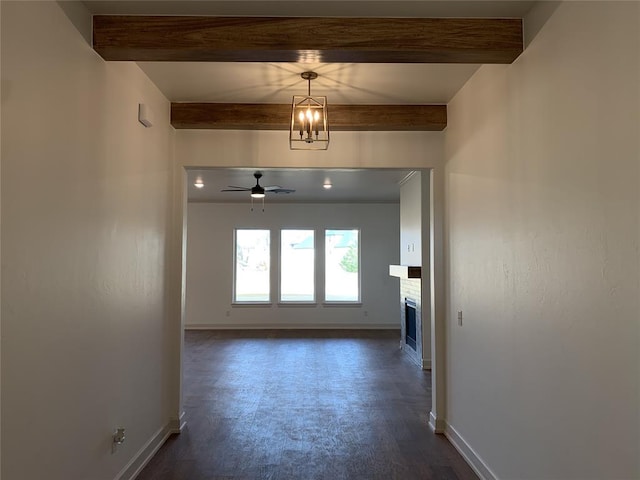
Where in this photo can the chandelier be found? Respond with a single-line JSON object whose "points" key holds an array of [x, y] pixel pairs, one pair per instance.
{"points": [[309, 126]]}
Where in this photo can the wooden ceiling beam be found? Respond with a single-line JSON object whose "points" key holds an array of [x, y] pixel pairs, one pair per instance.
{"points": [[252, 116], [307, 39]]}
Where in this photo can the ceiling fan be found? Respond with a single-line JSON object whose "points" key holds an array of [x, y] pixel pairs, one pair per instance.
{"points": [[258, 191]]}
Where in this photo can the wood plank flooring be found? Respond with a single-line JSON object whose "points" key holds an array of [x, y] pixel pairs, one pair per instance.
{"points": [[287, 405]]}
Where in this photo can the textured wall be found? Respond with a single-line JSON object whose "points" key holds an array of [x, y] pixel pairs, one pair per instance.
{"points": [[542, 214], [85, 205]]}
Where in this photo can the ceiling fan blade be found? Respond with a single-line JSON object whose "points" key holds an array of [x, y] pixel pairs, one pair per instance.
{"points": [[272, 187], [281, 190], [236, 190]]}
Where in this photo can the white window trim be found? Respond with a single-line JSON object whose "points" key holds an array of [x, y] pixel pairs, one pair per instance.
{"points": [[275, 276], [354, 303], [257, 303], [313, 302]]}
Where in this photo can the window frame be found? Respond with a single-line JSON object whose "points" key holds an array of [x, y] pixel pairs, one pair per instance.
{"points": [[234, 300], [314, 300], [345, 303]]}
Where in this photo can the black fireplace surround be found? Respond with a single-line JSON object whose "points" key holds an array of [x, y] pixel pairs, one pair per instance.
{"points": [[410, 322]]}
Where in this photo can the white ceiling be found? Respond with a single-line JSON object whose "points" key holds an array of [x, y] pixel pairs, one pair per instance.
{"points": [[277, 82], [348, 186], [325, 8]]}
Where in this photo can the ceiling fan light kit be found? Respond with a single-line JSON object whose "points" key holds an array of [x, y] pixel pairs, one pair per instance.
{"points": [[257, 191], [309, 123]]}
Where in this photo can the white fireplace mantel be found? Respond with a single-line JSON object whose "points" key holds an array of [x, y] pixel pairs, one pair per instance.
{"points": [[405, 271]]}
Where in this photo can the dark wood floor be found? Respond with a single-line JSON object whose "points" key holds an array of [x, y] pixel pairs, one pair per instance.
{"points": [[286, 405]]}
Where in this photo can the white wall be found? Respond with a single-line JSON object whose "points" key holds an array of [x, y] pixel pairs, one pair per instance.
{"points": [[260, 148], [210, 257], [411, 221], [0, 275], [85, 209], [415, 247], [542, 215]]}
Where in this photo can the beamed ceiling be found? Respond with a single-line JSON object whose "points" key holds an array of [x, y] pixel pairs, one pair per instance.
{"points": [[384, 65], [300, 41]]}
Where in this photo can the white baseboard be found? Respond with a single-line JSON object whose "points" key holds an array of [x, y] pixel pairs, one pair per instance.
{"points": [[438, 425], [289, 326], [177, 424], [471, 457], [145, 454]]}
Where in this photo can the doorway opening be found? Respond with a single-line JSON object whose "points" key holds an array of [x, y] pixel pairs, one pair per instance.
{"points": [[430, 233]]}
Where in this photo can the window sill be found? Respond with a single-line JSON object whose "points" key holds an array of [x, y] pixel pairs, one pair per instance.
{"points": [[297, 304], [251, 304], [342, 304]]}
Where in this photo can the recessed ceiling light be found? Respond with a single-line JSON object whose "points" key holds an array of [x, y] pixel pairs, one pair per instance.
{"points": [[327, 186], [199, 183]]}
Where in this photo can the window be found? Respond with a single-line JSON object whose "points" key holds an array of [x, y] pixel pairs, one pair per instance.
{"points": [[342, 266], [297, 266], [252, 266]]}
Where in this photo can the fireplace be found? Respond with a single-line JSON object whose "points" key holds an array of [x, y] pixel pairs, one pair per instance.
{"points": [[410, 322], [410, 313]]}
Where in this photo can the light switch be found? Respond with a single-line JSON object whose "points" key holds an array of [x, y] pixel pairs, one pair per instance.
{"points": [[460, 317]]}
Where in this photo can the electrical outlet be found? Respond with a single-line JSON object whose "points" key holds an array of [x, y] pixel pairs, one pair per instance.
{"points": [[118, 439], [460, 317], [228, 313]]}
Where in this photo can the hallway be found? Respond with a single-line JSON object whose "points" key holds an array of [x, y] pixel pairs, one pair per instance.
{"points": [[304, 404]]}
